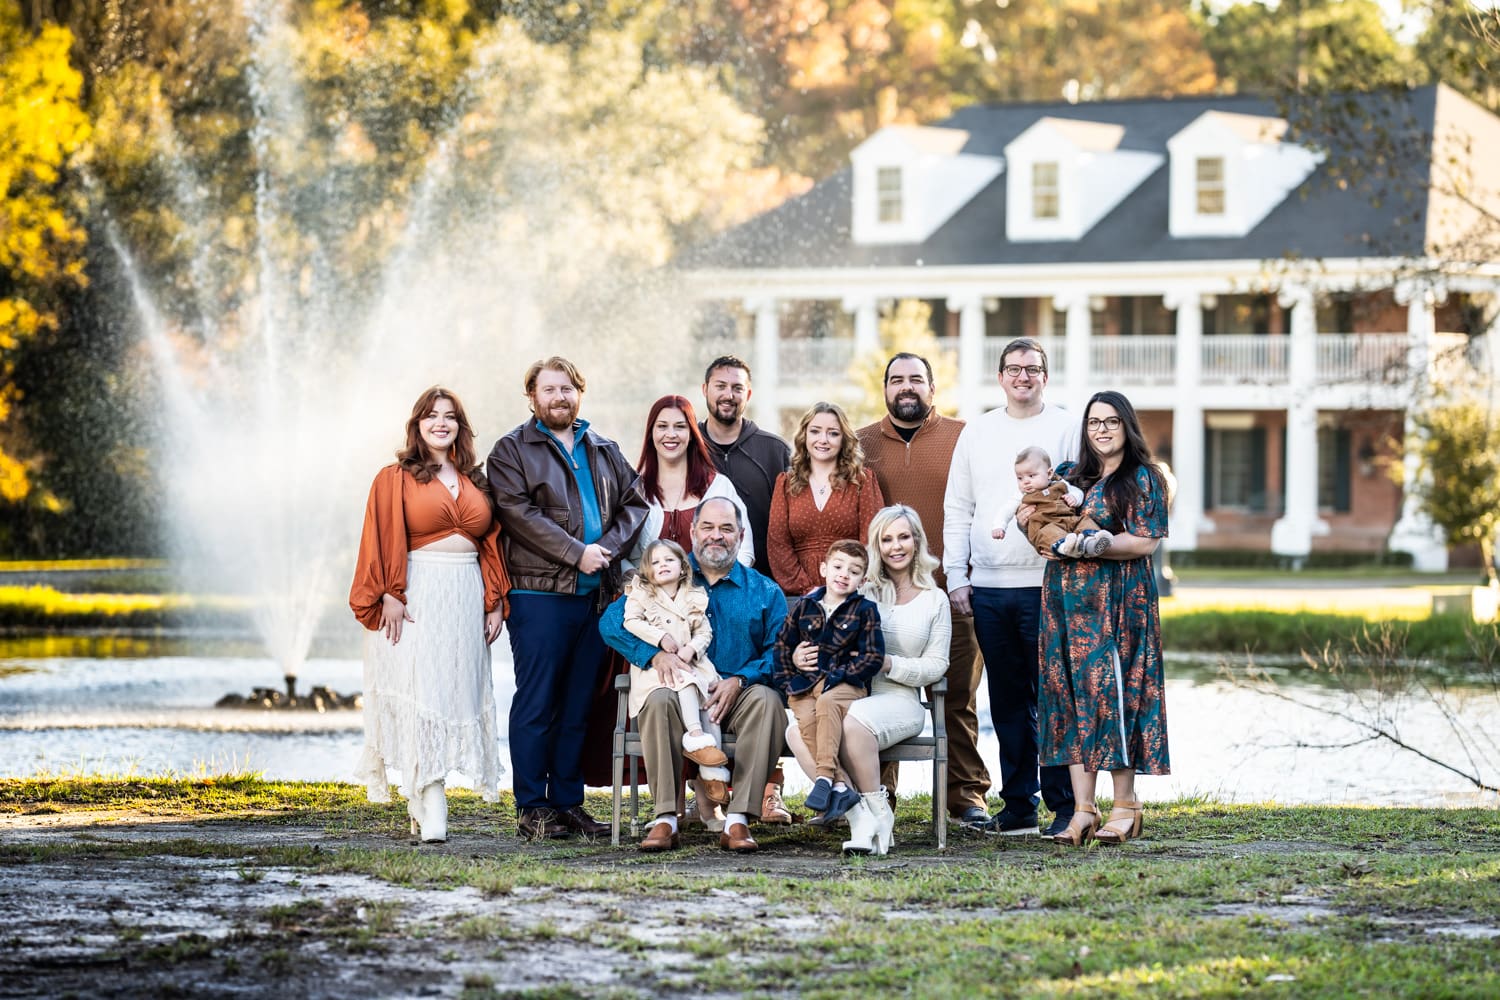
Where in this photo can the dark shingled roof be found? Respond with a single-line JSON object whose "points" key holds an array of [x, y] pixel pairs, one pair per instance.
{"points": [[1317, 220]]}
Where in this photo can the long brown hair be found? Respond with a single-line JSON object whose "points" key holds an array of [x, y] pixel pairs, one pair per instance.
{"points": [[1120, 489], [700, 465], [848, 468], [416, 458]]}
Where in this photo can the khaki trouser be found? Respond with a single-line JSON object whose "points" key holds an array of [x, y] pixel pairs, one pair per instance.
{"points": [[757, 721], [820, 720], [968, 779]]}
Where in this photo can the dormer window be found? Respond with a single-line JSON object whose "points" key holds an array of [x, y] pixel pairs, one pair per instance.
{"points": [[908, 180], [1209, 185], [1065, 174], [888, 194], [1044, 194], [1229, 171]]}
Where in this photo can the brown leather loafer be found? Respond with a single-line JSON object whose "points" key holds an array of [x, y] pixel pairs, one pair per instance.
{"points": [[737, 838], [661, 838], [578, 821], [772, 808], [539, 824]]}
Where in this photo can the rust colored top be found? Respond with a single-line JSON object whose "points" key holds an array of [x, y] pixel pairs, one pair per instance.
{"points": [[799, 533], [402, 515], [677, 526], [915, 472]]}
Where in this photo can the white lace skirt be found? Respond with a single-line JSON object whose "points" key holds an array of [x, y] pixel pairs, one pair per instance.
{"points": [[429, 700]]}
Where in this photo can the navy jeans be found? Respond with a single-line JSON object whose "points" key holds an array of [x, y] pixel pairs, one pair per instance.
{"points": [[1005, 624], [554, 639]]}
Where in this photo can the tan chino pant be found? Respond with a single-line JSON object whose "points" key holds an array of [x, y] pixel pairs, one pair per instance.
{"points": [[820, 719], [758, 722]]}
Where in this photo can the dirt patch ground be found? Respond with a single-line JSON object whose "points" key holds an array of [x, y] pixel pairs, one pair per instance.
{"points": [[108, 903]]}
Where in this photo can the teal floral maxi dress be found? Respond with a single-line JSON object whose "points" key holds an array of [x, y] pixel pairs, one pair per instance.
{"points": [[1102, 702]]}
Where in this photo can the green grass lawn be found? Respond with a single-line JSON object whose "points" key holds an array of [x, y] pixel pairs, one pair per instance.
{"points": [[1217, 900]]}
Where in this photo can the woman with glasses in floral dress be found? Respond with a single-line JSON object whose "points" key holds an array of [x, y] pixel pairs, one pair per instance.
{"points": [[1102, 704]]}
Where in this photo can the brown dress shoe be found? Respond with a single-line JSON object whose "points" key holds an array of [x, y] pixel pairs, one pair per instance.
{"points": [[578, 821], [661, 838], [772, 809], [539, 824], [737, 838]]}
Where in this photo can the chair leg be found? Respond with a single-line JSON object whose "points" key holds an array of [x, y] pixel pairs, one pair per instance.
{"points": [[635, 801], [618, 775], [940, 801]]}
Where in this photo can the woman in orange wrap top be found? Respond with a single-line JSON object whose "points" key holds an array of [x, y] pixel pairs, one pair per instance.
{"points": [[430, 589], [404, 515]]}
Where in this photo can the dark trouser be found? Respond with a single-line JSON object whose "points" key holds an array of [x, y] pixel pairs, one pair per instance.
{"points": [[554, 639], [1005, 623]]}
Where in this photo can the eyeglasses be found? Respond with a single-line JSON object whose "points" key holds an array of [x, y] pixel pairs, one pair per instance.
{"points": [[1014, 371], [1108, 423]]}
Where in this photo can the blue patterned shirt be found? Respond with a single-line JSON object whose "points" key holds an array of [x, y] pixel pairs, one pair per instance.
{"points": [[745, 610]]}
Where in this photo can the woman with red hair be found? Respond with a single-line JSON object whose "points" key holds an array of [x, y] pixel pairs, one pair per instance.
{"points": [[677, 474]]}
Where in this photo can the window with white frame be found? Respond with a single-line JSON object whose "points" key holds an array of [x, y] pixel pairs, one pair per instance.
{"points": [[888, 194], [1209, 185], [1044, 194]]}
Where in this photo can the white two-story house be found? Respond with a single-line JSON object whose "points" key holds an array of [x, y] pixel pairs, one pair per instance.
{"points": [[1269, 319]]}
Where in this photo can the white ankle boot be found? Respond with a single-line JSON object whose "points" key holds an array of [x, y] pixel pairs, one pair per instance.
{"points": [[864, 835], [885, 820], [433, 825]]}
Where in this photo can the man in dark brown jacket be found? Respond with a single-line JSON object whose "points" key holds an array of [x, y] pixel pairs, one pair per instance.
{"points": [[910, 449], [569, 507]]}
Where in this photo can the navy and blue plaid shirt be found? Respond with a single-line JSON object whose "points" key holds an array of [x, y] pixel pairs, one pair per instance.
{"points": [[851, 647]]}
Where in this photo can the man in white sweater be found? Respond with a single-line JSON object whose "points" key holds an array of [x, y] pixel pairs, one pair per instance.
{"points": [[999, 581]]}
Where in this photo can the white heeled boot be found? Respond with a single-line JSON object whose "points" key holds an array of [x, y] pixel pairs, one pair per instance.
{"points": [[433, 824], [864, 834], [885, 820]]}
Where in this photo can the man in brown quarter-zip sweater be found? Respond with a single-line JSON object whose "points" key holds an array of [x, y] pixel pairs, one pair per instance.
{"points": [[910, 450]]}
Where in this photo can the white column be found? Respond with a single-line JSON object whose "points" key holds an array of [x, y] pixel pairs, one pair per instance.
{"points": [[1415, 532], [866, 323], [971, 374], [1187, 420], [1293, 532], [766, 380], [1078, 330]]}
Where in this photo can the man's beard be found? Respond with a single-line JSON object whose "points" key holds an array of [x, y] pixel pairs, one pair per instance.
{"points": [[908, 406], [558, 417], [714, 555], [735, 412]]}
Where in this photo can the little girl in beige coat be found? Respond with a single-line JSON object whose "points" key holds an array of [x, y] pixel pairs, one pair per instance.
{"points": [[663, 606]]}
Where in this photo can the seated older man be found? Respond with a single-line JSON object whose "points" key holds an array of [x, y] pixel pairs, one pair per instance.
{"points": [[746, 610]]}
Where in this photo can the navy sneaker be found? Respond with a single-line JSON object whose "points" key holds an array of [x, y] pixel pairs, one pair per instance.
{"points": [[1058, 825], [839, 803], [972, 818], [822, 792], [1012, 823]]}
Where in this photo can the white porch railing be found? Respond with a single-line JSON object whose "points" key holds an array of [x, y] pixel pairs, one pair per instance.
{"points": [[1361, 357], [1136, 360], [807, 360], [1237, 359]]}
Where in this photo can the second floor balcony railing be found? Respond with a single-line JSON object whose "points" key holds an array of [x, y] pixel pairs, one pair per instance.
{"points": [[814, 360], [1241, 359], [1141, 360]]}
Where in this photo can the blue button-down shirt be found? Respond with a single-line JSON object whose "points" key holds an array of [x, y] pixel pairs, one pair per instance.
{"points": [[745, 610]]}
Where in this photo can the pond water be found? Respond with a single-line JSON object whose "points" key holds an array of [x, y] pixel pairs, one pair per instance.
{"points": [[147, 708]]}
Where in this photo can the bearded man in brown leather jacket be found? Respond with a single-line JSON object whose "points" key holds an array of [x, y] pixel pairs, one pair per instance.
{"points": [[570, 506]]}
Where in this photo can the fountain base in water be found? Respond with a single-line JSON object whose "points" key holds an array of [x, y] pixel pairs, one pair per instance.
{"points": [[319, 699]]}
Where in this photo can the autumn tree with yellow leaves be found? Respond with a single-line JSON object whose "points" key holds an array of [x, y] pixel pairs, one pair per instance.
{"points": [[41, 241]]}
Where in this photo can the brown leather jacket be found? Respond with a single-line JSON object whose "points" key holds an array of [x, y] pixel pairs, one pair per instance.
{"points": [[537, 502]]}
